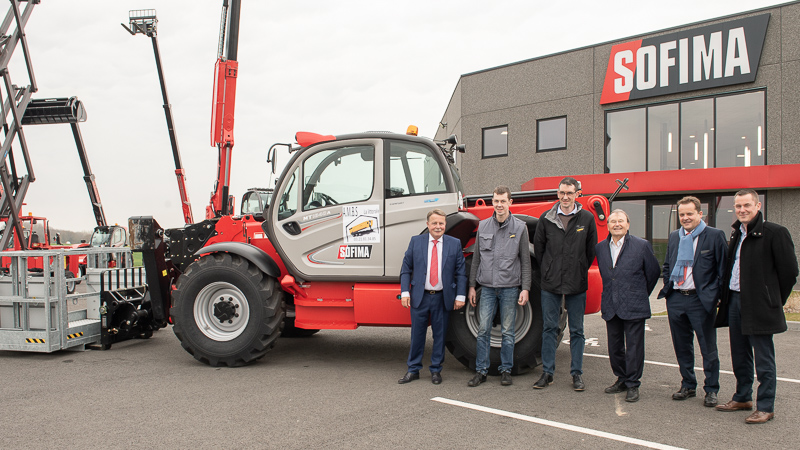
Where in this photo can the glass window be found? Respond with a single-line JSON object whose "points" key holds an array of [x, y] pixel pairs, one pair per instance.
{"points": [[697, 134], [636, 210], [662, 137], [413, 170], [740, 130], [495, 141], [288, 200], [625, 151], [337, 176], [551, 134]]}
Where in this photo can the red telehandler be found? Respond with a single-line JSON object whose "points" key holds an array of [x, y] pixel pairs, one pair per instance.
{"points": [[231, 285]]}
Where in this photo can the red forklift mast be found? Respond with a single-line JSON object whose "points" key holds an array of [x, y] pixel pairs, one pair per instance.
{"points": [[222, 114], [144, 21]]}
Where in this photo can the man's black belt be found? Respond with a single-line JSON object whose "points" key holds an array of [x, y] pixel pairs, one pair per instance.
{"points": [[687, 291], [432, 292]]}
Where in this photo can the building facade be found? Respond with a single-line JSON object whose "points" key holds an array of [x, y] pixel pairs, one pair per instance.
{"points": [[704, 109]]}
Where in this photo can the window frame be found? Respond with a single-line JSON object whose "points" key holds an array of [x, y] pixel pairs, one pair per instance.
{"points": [[714, 97], [483, 142], [566, 134]]}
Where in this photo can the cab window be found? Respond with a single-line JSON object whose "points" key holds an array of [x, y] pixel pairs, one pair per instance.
{"points": [[413, 170], [288, 200], [338, 176]]}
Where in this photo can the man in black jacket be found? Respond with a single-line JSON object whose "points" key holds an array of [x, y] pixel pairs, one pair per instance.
{"points": [[761, 271], [564, 245], [630, 271]]}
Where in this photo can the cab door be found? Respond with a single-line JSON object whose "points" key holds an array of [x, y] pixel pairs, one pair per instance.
{"points": [[329, 218], [417, 181]]}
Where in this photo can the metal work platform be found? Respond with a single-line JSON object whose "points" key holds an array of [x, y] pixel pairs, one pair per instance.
{"points": [[38, 315]]}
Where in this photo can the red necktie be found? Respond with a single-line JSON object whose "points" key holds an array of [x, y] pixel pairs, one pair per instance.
{"points": [[434, 265]]}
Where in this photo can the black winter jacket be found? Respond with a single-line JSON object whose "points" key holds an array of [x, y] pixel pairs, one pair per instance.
{"points": [[767, 273], [564, 256]]}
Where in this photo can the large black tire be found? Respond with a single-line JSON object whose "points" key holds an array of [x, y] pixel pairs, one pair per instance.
{"points": [[70, 284], [462, 336], [462, 333], [226, 312]]}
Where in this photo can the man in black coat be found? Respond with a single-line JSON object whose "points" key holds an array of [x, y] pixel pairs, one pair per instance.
{"points": [[761, 271], [630, 271], [564, 246]]}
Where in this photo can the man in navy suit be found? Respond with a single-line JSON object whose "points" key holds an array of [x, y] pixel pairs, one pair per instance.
{"points": [[630, 271], [433, 281], [693, 272]]}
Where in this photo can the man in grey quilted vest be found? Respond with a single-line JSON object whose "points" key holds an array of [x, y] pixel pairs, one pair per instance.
{"points": [[502, 266]]}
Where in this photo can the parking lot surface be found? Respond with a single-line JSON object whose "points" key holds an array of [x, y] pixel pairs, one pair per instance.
{"points": [[339, 389]]}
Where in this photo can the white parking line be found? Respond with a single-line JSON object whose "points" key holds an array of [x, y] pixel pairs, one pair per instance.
{"points": [[658, 363], [550, 423]]}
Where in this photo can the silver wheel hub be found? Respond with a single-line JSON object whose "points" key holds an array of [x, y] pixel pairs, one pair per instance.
{"points": [[221, 311], [522, 323]]}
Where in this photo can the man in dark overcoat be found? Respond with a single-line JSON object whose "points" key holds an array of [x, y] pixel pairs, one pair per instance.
{"points": [[760, 274]]}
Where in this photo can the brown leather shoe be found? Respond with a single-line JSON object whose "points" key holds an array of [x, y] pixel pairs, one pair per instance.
{"points": [[759, 417], [735, 406]]}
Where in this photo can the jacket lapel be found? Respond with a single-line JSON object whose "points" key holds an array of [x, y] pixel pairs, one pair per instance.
{"points": [[700, 242]]}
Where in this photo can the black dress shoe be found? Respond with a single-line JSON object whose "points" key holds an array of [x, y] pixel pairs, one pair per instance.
{"points": [[408, 377], [684, 393], [543, 381], [476, 380], [436, 378], [577, 382], [617, 387], [633, 395], [505, 379], [710, 400]]}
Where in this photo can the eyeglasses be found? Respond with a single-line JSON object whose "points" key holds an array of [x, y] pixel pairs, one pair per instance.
{"points": [[567, 194]]}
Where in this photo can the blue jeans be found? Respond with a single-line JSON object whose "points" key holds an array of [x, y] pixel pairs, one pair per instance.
{"points": [[551, 308], [490, 298]]}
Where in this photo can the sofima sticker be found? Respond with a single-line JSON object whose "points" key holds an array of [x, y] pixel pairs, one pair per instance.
{"points": [[355, 251], [700, 58]]}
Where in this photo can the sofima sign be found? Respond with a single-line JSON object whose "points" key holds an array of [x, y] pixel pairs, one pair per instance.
{"points": [[700, 58]]}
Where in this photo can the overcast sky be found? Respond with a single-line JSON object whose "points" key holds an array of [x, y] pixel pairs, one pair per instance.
{"points": [[331, 67]]}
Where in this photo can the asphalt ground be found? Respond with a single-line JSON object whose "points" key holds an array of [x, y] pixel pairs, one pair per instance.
{"points": [[339, 389]]}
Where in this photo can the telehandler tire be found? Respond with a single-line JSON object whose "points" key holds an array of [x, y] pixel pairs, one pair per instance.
{"points": [[225, 311]]}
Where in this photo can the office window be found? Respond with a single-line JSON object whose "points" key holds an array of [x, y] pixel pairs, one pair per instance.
{"points": [[625, 133], [495, 141], [740, 130], [697, 134], [662, 137], [551, 134], [723, 131]]}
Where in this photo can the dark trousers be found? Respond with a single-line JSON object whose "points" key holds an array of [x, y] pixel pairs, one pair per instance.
{"points": [[626, 349], [687, 318], [743, 348], [430, 309]]}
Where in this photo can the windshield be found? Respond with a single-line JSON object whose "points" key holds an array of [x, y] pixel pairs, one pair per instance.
{"points": [[100, 238]]}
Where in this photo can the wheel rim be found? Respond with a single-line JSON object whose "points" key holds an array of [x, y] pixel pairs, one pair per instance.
{"points": [[522, 324], [221, 311]]}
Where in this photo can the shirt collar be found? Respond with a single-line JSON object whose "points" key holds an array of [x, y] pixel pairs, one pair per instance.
{"points": [[574, 210], [619, 244]]}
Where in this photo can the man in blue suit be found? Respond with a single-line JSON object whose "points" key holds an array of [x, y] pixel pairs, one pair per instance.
{"points": [[693, 272], [630, 271], [433, 281]]}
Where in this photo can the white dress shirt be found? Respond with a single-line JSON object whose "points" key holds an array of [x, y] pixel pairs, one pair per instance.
{"points": [[615, 249]]}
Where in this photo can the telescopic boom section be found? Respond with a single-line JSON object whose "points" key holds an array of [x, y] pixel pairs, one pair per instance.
{"points": [[144, 21], [225, 73]]}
